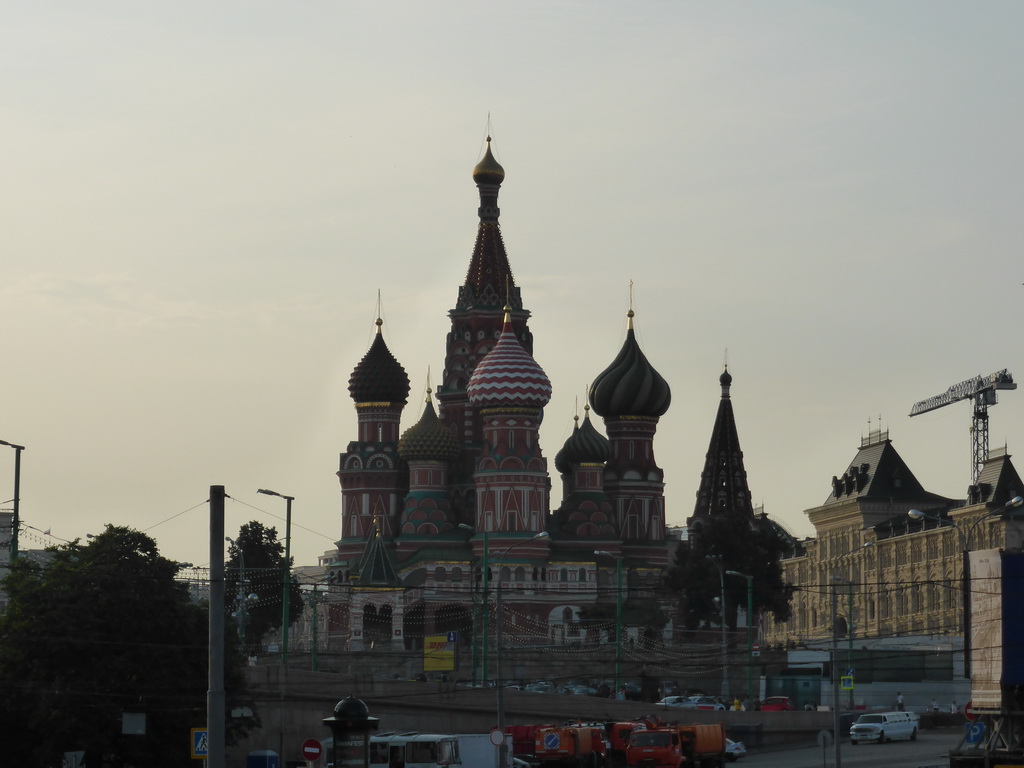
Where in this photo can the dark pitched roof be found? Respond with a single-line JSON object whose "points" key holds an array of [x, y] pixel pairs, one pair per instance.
{"points": [[376, 569], [998, 481], [723, 482], [879, 472]]}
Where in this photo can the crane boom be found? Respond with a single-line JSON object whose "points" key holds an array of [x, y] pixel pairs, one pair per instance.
{"points": [[965, 390], [982, 390]]}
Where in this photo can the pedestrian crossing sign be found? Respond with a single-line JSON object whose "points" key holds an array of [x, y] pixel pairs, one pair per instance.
{"points": [[846, 682], [200, 744]]}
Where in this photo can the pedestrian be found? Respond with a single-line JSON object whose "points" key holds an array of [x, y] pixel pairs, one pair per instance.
{"points": [[954, 707], [899, 701], [621, 695], [935, 705], [736, 704]]}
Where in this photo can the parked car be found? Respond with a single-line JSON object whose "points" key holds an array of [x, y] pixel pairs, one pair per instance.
{"points": [[702, 702], [674, 701], [541, 686], [777, 704], [734, 750], [884, 726]]}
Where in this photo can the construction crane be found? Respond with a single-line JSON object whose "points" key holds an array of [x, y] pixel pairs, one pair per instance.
{"points": [[982, 390]]}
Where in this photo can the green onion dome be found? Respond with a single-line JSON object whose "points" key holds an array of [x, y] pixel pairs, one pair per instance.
{"points": [[428, 439]]}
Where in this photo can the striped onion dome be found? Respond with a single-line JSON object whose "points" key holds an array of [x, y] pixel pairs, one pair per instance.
{"points": [[630, 386], [428, 439], [508, 376], [379, 377], [584, 446]]}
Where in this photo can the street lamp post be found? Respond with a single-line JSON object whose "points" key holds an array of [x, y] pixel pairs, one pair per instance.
{"points": [[498, 631], [967, 544], [480, 620], [287, 581], [835, 680], [15, 517], [241, 598], [750, 628], [618, 615], [717, 560], [314, 598]]}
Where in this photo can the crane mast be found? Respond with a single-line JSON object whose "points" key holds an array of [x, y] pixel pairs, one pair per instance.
{"points": [[982, 391]]}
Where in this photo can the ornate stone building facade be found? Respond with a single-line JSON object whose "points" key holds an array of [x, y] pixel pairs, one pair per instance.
{"points": [[895, 575], [436, 517]]}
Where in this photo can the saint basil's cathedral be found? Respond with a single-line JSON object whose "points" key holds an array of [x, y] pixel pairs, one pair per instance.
{"points": [[433, 517]]}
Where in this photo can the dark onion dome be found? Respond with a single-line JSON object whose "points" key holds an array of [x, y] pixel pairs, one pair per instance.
{"points": [[488, 170], [630, 386], [508, 376], [585, 446], [379, 377], [562, 463], [428, 439], [725, 380]]}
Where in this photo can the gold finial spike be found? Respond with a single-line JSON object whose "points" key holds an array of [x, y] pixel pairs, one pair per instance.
{"points": [[725, 359], [379, 322], [630, 313]]}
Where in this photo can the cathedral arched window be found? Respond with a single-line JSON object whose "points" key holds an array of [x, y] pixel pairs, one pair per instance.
{"points": [[583, 574], [440, 574], [456, 574], [563, 574]]}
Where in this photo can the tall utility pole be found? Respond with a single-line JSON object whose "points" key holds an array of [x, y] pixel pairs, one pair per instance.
{"points": [[16, 517], [216, 699]]}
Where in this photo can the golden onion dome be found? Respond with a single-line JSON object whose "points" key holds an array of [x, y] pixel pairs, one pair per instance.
{"points": [[488, 170]]}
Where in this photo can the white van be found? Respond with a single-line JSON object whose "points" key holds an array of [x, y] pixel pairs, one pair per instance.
{"points": [[884, 726]]}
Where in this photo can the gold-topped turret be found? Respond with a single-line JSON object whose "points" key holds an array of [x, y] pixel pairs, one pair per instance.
{"points": [[488, 170]]}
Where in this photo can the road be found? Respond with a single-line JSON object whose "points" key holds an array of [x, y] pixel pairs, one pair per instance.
{"points": [[930, 749]]}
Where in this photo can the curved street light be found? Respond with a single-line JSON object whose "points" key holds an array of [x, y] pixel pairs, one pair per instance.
{"points": [[286, 618], [618, 615], [750, 626]]}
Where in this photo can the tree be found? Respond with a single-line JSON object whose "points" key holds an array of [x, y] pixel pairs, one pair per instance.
{"points": [[749, 545], [95, 632], [258, 553]]}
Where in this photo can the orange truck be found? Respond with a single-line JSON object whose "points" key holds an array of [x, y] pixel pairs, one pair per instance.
{"points": [[570, 746], [701, 745], [617, 735]]}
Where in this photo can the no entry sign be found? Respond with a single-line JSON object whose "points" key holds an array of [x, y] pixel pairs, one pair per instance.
{"points": [[311, 749]]}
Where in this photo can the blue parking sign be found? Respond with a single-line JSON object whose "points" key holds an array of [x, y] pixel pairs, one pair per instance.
{"points": [[975, 733]]}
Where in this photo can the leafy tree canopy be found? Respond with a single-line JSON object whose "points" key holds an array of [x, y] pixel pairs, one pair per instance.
{"points": [[258, 554], [97, 631], [740, 543]]}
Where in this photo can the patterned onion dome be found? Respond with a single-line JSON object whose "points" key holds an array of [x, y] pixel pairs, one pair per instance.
{"points": [[379, 377], [508, 376], [428, 439], [488, 170], [585, 446], [630, 386]]}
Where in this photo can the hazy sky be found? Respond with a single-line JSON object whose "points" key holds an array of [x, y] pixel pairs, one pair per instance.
{"points": [[200, 202]]}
